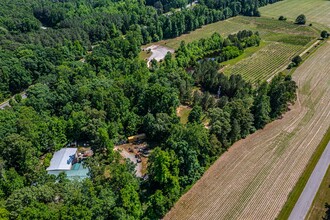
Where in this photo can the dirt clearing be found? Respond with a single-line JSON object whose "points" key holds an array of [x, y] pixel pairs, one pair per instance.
{"points": [[157, 52], [254, 178]]}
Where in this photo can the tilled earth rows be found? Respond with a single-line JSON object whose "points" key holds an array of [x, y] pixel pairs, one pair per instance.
{"points": [[254, 178]]}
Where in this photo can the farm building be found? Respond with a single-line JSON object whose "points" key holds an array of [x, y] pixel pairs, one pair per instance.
{"points": [[69, 161], [136, 138]]}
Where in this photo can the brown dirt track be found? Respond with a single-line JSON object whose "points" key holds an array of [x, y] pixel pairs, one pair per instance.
{"points": [[254, 178]]}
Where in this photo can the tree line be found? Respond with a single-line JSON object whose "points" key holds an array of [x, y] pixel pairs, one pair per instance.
{"points": [[216, 48]]}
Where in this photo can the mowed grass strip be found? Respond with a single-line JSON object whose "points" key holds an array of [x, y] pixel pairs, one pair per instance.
{"points": [[315, 10], [322, 197], [297, 190]]}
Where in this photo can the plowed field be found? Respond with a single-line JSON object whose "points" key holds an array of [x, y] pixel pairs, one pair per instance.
{"points": [[254, 178]]}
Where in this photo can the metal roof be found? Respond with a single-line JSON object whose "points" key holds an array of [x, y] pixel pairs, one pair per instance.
{"points": [[62, 159]]}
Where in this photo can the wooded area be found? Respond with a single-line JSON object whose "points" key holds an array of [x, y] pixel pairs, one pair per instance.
{"points": [[78, 62]]}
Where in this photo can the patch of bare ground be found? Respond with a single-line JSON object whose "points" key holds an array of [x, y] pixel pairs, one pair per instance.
{"points": [[254, 178]]}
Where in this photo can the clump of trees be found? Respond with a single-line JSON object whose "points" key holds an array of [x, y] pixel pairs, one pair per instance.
{"points": [[216, 48]]}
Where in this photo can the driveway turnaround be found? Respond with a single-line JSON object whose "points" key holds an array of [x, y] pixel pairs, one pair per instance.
{"points": [[306, 198]]}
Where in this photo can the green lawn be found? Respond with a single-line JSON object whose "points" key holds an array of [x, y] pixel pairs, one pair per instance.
{"points": [[318, 209], [183, 113], [316, 11], [297, 190]]}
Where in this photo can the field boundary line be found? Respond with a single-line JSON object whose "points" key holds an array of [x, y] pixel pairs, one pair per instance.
{"points": [[303, 179]]}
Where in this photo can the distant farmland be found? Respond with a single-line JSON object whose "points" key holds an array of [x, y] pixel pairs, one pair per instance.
{"points": [[254, 178], [315, 10], [280, 42]]}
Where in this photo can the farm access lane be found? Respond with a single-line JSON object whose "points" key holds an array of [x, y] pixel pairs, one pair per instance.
{"points": [[254, 178], [306, 198], [6, 103]]}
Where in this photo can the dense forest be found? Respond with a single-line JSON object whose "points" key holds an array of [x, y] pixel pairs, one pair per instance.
{"points": [[78, 62]]}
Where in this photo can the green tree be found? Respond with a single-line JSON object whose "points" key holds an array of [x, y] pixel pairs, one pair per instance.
{"points": [[261, 106], [297, 60], [129, 200], [282, 92], [195, 116], [324, 34], [157, 205], [301, 19]]}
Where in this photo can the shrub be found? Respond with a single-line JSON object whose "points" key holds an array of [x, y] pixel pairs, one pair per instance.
{"points": [[301, 19], [324, 34], [282, 18]]}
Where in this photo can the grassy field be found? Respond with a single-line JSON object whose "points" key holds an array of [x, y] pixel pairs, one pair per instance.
{"points": [[269, 29], [280, 42], [316, 11], [255, 177], [183, 112], [318, 209], [299, 187]]}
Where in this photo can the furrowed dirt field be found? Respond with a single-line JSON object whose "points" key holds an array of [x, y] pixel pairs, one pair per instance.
{"points": [[253, 179]]}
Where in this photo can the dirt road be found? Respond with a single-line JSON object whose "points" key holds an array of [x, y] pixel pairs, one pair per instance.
{"points": [[131, 157], [306, 198], [254, 178], [6, 103], [158, 52]]}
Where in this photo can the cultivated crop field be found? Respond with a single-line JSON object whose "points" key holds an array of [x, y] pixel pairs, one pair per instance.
{"points": [[315, 10], [282, 41], [254, 178], [265, 62]]}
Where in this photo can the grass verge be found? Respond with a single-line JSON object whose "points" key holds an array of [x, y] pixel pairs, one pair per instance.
{"points": [[317, 210], [297, 190]]}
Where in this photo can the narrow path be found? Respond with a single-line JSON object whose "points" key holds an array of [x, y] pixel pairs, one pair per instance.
{"points": [[307, 196], [309, 48], [6, 103]]}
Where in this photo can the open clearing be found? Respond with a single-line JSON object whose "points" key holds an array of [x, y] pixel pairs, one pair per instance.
{"points": [[315, 10], [281, 41], [254, 178], [318, 209], [183, 113], [157, 52]]}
